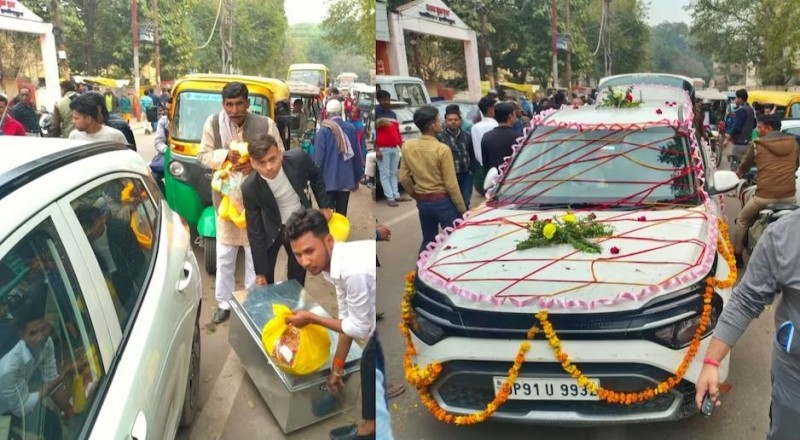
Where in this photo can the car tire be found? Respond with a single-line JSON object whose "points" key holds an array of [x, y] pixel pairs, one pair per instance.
{"points": [[210, 254], [192, 397]]}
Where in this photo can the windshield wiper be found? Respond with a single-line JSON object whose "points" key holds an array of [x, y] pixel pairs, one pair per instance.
{"points": [[583, 205]]}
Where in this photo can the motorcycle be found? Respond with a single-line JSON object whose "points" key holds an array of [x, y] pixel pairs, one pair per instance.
{"points": [[45, 122], [768, 215], [714, 140]]}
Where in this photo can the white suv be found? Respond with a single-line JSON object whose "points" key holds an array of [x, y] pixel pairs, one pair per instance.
{"points": [[625, 316], [99, 296]]}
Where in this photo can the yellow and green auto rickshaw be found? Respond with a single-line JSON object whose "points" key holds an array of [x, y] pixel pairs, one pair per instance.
{"points": [[787, 103], [187, 182]]}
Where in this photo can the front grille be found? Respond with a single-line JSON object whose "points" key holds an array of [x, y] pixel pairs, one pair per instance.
{"points": [[456, 321], [468, 385]]}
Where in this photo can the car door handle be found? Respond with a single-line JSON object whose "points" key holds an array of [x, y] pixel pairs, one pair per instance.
{"points": [[186, 277], [139, 429]]}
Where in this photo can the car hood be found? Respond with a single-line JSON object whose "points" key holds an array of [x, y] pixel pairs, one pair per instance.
{"points": [[659, 252]]}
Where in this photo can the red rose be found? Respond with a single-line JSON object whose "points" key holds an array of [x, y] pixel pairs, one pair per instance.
{"points": [[629, 97], [642, 219], [615, 250], [659, 112], [534, 218]]}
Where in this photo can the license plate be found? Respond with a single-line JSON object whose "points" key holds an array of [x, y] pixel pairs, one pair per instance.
{"points": [[545, 389]]}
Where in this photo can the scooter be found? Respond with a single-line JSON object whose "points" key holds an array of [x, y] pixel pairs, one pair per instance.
{"points": [[45, 122]]}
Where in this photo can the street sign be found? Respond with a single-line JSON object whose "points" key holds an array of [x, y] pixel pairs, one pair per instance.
{"points": [[561, 43], [488, 61], [147, 31]]}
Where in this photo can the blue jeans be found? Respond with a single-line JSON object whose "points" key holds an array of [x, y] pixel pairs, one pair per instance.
{"points": [[388, 167], [432, 215], [465, 185]]}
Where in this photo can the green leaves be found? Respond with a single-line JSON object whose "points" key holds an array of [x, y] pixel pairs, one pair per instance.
{"points": [[577, 234], [350, 26]]}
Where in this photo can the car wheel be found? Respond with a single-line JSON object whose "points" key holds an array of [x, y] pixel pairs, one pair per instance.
{"points": [[210, 254], [190, 401]]}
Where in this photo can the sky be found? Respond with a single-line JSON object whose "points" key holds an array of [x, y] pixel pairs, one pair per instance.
{"points": [[667, 10], [305, 11]]}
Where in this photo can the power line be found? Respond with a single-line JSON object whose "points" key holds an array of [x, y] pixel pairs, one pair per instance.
{"points": [[219, 9]]}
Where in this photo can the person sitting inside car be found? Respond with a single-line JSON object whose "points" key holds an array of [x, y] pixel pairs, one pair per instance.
{"points": [[29, 375]]}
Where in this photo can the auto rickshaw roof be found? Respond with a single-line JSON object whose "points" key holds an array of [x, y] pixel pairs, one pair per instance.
{"points": [[307, 66], [299, 88], [770, 97], [277, 88]]}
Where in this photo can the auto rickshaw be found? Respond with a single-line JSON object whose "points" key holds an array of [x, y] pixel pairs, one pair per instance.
{"points": [[187, 182], [305, 123], [787, 103]]}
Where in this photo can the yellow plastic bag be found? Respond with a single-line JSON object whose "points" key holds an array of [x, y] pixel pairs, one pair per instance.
{"points": [[311, 346]]}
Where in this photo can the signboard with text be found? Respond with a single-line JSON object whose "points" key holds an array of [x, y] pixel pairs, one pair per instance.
{"points": [[435, 11]]}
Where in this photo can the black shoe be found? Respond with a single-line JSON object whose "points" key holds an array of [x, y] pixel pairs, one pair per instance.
{"points": [[739, 260], [220, 316], [349, 432], [379, 316]]}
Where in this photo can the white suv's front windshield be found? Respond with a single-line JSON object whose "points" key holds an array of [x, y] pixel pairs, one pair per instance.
{"points": [[607, 169]]}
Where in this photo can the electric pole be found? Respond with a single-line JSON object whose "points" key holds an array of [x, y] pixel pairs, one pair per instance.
{"points": [[554, 40], [59, 34], [156, 48], [226, 36], [486, 52], [569, 49], [136, 81], [607, 36]]}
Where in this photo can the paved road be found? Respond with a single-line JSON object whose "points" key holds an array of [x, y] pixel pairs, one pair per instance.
{"points": [[744, 415], [231, 407]]}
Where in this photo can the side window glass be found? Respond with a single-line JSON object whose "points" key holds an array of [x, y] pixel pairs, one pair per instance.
{"points": [[115, 220], [795, 110], [49, 360]]}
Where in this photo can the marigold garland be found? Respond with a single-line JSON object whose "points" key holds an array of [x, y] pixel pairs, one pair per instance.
{"points": [[422, 378]]}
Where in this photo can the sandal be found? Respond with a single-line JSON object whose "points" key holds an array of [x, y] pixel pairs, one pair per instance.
{"points": [[395, 389]]}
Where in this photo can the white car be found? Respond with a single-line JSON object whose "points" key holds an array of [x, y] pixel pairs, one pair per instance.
{"points": [[99, 296], [625, 316]]}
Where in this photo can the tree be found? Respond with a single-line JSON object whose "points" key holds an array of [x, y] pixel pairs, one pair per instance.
{"points": [[629, 34], [760, 33], [350, 25], [671, 52]]}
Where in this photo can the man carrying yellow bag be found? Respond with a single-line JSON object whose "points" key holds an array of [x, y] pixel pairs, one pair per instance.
{"points": [[350, 267]]}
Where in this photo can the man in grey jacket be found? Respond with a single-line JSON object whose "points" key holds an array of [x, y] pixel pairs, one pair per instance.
{"points": [[772, 269]]}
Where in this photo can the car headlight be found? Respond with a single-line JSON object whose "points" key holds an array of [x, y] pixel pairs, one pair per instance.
{"points": [[679, 334], [176, 168], [427, 331]]}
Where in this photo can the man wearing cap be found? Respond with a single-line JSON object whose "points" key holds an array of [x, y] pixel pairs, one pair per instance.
{"points": [[336, 153], [62, 115], [498, 144]]}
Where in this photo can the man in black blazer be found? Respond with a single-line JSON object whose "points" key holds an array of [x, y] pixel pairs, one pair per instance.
{"points": [[271, 194]]}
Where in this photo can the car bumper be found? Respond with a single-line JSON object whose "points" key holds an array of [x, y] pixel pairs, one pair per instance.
{"points": [[466, 385]]}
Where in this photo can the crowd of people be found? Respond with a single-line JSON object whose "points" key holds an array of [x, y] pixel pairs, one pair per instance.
{"points": [[80, 113]]}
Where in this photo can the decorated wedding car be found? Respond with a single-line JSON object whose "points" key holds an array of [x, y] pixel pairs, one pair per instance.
{"points": [[585, 287]]}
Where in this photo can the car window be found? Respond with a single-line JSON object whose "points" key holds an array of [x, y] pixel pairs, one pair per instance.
{"points": [[411, 93], [49, 365], [794, 111], [116, 218], [795, 131]]}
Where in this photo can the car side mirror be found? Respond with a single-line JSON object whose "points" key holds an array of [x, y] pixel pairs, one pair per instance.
{"points": [[489, 181], [724, 181]]}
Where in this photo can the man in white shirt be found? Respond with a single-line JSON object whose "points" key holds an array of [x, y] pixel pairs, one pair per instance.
{"points": [[486, 106], [350, 267], [33, 354], [87, 117]]}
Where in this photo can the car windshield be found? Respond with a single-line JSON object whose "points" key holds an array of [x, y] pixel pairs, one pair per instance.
{"points": [[193, 109], [612, 169], [404, 115], [313, 77], [411, 93]]}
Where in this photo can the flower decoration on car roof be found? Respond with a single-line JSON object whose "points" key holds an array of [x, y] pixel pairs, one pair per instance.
{"points": [[618, 98]]}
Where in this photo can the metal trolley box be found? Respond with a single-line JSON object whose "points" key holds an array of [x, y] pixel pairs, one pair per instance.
{"points": [[295, 401]]}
